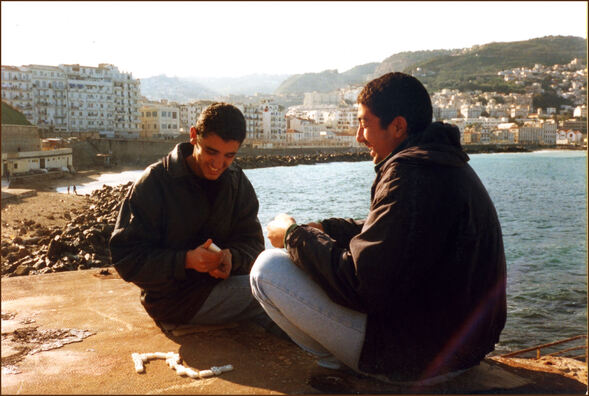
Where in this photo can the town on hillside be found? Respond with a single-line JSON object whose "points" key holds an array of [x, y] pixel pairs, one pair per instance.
{"points": [[70, 102]]}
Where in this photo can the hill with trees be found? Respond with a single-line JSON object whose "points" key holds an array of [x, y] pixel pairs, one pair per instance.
{"points": [[11, 116], [465, 69]]}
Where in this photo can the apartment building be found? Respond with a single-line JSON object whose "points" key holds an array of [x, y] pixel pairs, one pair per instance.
{"points": [[309, 129], [471, 111], [16, 90], [74, 98], [542, 132], [345, 120], [317, 99], [253, 121], [190, 112], [159, 120], [273, 122], [444, 112]]}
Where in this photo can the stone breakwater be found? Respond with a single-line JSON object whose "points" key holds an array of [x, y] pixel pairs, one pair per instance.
{"points": [[81, 244], [265, 161]]}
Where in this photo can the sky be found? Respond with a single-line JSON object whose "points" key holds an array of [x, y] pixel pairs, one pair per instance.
{"points": [[234, 39]]}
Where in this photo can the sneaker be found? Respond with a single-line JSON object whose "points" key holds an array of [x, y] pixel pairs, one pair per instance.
{"points": [[330, 362]]}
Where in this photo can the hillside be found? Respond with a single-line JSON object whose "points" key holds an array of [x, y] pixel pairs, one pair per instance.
{"points": [[403, 60], [326, 81], [12, 116], [477, 67], [464, 69]]}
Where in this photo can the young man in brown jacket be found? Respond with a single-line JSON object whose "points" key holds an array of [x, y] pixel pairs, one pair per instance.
{"points": [[416, 291]]}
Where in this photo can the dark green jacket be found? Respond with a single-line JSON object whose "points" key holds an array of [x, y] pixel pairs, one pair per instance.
{"points": [[427, 265], [165, 214]]}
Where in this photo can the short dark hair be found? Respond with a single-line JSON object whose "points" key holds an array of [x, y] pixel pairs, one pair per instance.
{"points": [[398, 94], [222, 119]]}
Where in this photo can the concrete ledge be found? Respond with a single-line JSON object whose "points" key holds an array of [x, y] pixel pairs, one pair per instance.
{"points": [[99, 302], [9, 194]]}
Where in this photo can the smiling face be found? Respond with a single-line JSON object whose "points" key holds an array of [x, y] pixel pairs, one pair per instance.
{"points": [[212, 155], [381, 141]]}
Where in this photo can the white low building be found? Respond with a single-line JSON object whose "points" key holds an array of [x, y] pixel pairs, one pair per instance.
{"points": [[29, 161]]}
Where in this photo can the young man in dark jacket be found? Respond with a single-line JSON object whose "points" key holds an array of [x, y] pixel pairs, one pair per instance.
{"points": [[416, 291], [193, 197]]}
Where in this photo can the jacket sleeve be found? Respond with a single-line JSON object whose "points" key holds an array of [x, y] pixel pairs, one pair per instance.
{"points": [[342, 230], [365, 275], [246, 241], [136, 241]]}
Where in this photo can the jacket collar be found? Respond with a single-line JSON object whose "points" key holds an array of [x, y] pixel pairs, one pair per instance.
{"points": [[174, 162], [438, 143]]}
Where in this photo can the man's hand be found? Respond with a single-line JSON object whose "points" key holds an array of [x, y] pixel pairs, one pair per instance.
{"points": [[277, 228], [202, 259], [316, 225], [224, 268]]}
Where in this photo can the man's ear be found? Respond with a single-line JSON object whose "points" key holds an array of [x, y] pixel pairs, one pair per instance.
{"points": [[193, 135], [398, 127]]}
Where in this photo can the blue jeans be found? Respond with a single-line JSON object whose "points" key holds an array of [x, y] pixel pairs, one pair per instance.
{"points": [[230, 300], [304, 311]]}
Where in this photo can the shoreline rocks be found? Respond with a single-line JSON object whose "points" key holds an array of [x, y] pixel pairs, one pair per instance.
{"points": [[81, 244], [266, 161]]}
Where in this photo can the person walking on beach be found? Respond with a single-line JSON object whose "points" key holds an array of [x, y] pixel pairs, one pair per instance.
{"points": [[415, 292], [193, 197]]}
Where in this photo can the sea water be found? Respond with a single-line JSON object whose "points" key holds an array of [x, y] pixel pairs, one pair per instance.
{"points": [[540, 198]]}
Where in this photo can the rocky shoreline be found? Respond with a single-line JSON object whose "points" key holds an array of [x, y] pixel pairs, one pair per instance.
{"points": [[81, 244], [267, 161]]}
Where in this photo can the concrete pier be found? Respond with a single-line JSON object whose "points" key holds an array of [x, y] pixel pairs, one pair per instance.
{"points": [[100, 303]]}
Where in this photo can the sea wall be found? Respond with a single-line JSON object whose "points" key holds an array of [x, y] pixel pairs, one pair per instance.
{"points": [[93, 153], [17, 138]]}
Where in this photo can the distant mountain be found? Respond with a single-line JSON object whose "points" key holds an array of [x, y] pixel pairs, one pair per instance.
{"points": [[186, 89], [464, 69], [326, 81], [12, 116], [245, 85], [175, 89]]}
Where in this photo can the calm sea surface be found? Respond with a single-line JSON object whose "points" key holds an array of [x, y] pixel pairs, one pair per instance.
{"points": [[541, 200]]}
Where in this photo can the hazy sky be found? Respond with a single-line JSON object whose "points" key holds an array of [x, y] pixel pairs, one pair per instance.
{"points": [[231, 39]]}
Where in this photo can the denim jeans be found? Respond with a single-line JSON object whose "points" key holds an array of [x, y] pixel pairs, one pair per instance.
{"points": [[230, 301], [304, 311]]}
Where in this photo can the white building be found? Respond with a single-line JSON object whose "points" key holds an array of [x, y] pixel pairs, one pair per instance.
{"points": [[443, 112], [74, 98], [159, 120], [471, 111], [273, 122], [316, 99], [542, 132], [190, 112], [27, 161], [580, 112], [16, 90]]}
